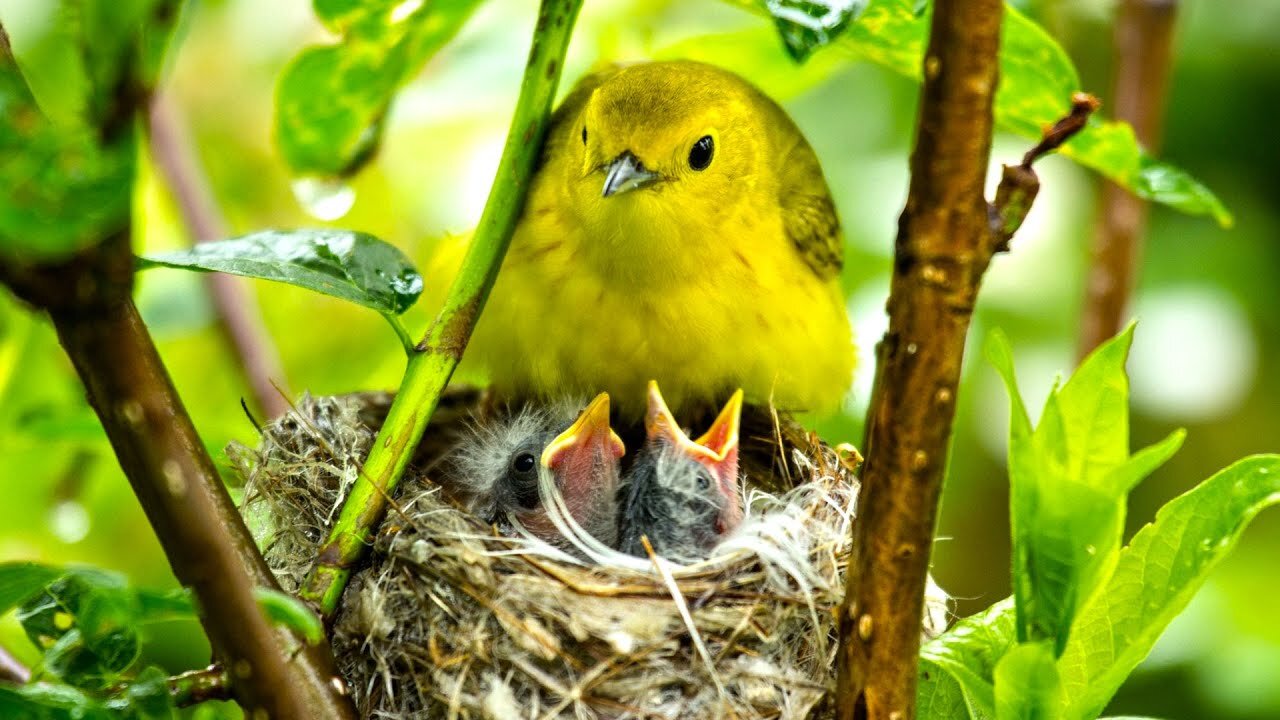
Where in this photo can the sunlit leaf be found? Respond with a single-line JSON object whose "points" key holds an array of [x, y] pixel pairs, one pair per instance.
{"points": [[1156, 576], [1037, 81], [958, 667], [1069, 480], [332, 99], [21, 580], [348, 265], [1027, 684]]}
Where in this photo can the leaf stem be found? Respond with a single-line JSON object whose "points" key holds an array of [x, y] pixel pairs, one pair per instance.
{"points": [[406, 340], [435, 358], [1144, 47]]}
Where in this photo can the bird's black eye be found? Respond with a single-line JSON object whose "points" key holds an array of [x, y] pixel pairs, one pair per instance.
{"points": [[701, 152], [704, 481], [524, 462], [584, 134]]}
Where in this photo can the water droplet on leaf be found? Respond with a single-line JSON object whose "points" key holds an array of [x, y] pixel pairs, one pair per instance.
{"points": [[324, 198]]}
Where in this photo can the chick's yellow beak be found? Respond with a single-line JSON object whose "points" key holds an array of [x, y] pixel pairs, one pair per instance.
{"points": [[660, 424], [626, 173], [588, 437], [722, 438]]}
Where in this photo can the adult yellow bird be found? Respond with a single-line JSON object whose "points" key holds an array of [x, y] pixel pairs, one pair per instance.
{"points": [[678, 228]]}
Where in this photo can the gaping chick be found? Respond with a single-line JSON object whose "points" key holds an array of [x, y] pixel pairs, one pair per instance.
{"points": [[682, 494], [496, 470]]}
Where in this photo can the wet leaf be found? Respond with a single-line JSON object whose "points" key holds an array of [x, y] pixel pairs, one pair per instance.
{"points": [[806, 25], [1157, 575], [1037, 80], [332, 99], [348, 265]]}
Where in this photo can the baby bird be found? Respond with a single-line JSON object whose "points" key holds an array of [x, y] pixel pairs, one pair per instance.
{"points": [[680, 221], [496, 470], [682, 494]]}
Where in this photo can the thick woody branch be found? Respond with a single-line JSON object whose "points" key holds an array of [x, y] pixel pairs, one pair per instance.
{"points": [[945, 241], [1144, 47], [239, 322]]}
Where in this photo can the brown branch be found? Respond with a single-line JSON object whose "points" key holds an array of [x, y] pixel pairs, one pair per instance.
{"points": [[1144, 46], [197, 686], [945, 242], [239, 322], [88, 297], [11, 670]]}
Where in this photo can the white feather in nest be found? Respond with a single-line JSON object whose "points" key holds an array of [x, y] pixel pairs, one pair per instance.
{"points": [[452, 620]]}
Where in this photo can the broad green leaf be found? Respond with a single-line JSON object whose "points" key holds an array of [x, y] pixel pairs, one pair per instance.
{"points": [[1027, 684], [1156, 576], [332, 99], [958, 667], [50, 701], [1069, 477], [20, 581], [1037, 80], [348, 265], [806, 25], [286, 610]]}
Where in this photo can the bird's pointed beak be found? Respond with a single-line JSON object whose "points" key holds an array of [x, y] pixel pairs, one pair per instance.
{"points": [[588, 438], [661, 425], [626, 173], [722, 438]]}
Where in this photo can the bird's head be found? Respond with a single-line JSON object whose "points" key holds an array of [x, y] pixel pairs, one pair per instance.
{"points": [[584, 462], [663, 144]]}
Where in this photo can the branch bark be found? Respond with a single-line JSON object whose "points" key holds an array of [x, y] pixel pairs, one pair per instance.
{"points": [[945, 241], [239, 322], [435, 357], [204, 538], [1144, 46]]}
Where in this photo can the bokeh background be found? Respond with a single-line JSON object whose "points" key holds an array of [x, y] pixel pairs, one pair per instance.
{"points": [[1206, 357]]}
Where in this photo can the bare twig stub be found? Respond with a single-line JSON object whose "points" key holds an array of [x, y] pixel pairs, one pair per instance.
{"points": [[1144, 46], [947, 235], [239, 321]]}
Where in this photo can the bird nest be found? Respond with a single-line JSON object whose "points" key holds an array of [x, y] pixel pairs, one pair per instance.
{"points": [[450, 619]]}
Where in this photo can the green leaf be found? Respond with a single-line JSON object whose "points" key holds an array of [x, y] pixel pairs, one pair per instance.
{"points": [[806, 25], [86, 623], [348, 265], [332, 100], [20, 581], [958, 667], [1156, 576], [284, 609], [1027, 684], [49, 701], [1037, 81], [1069, 479]]}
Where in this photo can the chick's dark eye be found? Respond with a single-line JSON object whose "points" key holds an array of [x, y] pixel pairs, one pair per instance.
{"points": [[704, 482], [584, 134], [524, 462], [701, 152]]}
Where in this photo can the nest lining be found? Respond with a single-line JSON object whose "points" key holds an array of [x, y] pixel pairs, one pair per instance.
{"points": [[451, 620]]}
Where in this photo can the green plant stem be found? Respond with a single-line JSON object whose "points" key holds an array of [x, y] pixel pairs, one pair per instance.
{"points": [[406, 340], [435, 358]]}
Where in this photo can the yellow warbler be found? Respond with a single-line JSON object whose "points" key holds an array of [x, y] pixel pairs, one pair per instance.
{"points": [[678, 228]]}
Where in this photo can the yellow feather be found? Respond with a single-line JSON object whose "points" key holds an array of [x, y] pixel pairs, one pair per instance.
{"points": [[703, 280]]}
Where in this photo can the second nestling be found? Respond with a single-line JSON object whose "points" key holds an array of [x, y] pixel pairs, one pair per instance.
{"points": [[545, 473]]}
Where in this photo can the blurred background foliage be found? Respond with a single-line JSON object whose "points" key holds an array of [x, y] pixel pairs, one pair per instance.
{"points": [[1206, 354]]}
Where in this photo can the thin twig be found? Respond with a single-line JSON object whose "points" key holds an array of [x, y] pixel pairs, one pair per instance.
{"points": [[435, 358], [197, 686], [239, 321], [1144, 47], [11, 670]]}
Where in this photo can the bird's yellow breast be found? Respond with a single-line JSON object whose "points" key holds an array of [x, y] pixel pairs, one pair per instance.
{"points": [[693, 280]]}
